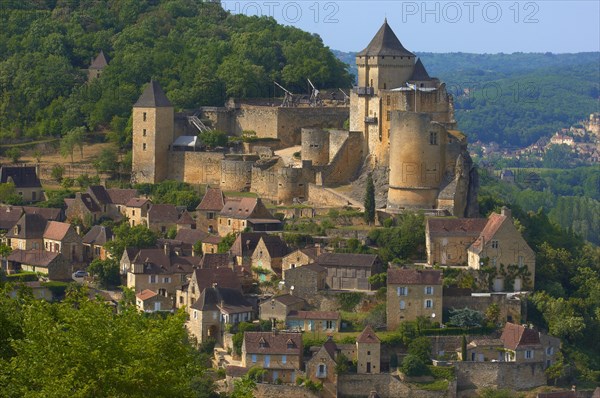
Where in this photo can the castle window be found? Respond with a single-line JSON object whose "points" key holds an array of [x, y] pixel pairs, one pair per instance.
{"points": [[389, 100], [433, 138], [371, 82], [145, 116], [144, 146], [388, 115], [384, 86]]}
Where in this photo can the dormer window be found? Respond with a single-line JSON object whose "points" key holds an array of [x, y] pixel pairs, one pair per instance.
{"points": [[290, 344], [262, 343]]}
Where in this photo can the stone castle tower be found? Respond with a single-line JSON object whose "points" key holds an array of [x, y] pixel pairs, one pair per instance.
{"points": [[153, 130]]}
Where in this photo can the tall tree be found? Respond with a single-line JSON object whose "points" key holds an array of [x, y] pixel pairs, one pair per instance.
{"points": [[370, 200]]}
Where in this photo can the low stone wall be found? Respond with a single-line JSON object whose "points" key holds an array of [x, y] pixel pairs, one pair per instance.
{"points": [[281, 391], [511, 375], [511, 309], [387, 386], [320, 196]]}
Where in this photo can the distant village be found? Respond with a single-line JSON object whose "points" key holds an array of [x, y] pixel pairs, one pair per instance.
{"points": [[324, 322]]}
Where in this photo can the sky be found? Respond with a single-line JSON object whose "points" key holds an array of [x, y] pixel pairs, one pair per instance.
{"points": [[472, 26]]}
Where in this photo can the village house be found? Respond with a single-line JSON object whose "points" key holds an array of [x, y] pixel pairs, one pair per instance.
{"points": [[51, 264], [501, 246], [306, 281], [136, 211], [321, 367], [208, 243], [97, 202], [216, 260], [97, 66], [26, 182], [300, 257], [83, 209], [161, 217], [60, 237], [447, 239], [94, 241], [349, 271], [216, 308], [150, 301], [413, 293], [267, 256], [243, 247], [368, 352], [314, 321], [27, 233], [9, 215], [207, 212], [241, 213], [279, 353], [277, 308], [185, 221], [203, 278]]}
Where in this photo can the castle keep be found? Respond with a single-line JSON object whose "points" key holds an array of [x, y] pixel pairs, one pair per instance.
{"points": [[401, 120]]}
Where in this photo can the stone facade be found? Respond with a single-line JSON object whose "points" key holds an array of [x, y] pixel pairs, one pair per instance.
{"points": [[513, 376], [368, 352], [512, 308], [306, 280]]}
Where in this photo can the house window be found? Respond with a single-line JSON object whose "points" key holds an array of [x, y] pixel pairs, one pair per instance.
{"points": [[528, 354], [284, 359], [167, 280], [521, 261], [210, 215], [368, 352], [329, 324], [388, 115], [152, 278], [428, 289], [550, 350], [428, 303], [402, 304], [389, 100], [253, 358], [322, 370], [433, 138], [195, 314], [494, 244], [402, 291]]}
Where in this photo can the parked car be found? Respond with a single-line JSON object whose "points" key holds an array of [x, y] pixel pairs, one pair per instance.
{"points": [[80, 274]]}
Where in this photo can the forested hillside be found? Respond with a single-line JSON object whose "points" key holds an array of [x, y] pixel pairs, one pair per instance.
{"points": [[514, 99], [198, 52]]}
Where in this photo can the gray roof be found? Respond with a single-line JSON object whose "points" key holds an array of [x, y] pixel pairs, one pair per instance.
{"points": [[153, 97], [385, 42], [420, 73], [100, 62], [21, 176], [98, 235]]}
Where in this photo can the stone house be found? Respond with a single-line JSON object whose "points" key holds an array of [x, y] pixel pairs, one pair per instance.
{"points": [[150, 301], [97, 66], [161, 217], [51, 264], [27, 233], [216, 308], [277, 308], [484, 350], [9, 215], [215, 260], [26, 182], [241, 213], [368, 352], [300, 257], [84, 209], [203, 278], [159, 270], [412, 293], [209, 243], [136, 211], [207, 212], [447, 239], [501, 245], [186, 221], [60, 237], [279, 353], [314, 321], [97, 202], [321, 367], [349, 271], [267, 256], [94, 241], [306, 281], [243, 247]]}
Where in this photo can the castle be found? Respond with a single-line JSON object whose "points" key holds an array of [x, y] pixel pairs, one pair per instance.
{"points": [[400, 119]]}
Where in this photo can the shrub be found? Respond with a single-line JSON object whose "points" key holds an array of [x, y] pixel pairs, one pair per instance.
{"points": [[22, 277], [412, 365], [348, 301]]}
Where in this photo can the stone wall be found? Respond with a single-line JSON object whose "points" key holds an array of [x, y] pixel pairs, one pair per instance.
{"points": [[511, 375], [196, 167], [344, 165], [511, 309], [320, 196], [278, 391], [386, 385], [236, 172]]}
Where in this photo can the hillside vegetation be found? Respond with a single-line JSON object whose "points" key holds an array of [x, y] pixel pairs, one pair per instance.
{"points": [[199, 53], [514, 99]]}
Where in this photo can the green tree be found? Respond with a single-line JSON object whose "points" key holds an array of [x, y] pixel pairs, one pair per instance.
{"points": [[74, 138], [14, 154], [370, 200], [466, 318], [107, 272], [412, 365], [226, 243], [126, 236], [57, 172], [213, 138], [9, 195], [421, 348], [107, 161]]}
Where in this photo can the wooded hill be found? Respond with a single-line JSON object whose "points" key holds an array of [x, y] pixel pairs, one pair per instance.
{"points": [[199, 53]]}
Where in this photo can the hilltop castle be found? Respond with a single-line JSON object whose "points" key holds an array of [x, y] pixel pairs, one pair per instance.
{"points": [[400, 118]]}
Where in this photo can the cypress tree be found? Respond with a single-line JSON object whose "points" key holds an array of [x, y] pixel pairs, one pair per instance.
{"points": [[463, 348], [370, 200]]}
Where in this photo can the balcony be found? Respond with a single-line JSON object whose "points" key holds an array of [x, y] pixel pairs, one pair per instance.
{"points": [[366, 91]]}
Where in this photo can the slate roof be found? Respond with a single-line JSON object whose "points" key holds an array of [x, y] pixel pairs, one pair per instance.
{"points": [[215, 260], [190, 236], [287, 299], [146, 294], [100, 193], [273, 343], [89, 202], [384, 43], [330, 347], [367, 336], [346, 260], [224, 299], [49, 213], [222, 277], [246, 208], [163, 213], [153, 96], [136, 202], [517, 336], [419, 72], [56, 230], [98, 235], [9, 215], [155, 261], [31, 226], [100, 62], [21, 176], [120, 196], [38, 258], [275, 246], [309, 267], [213, 200], [245, 243], [455, 226], [318, 315], [409, 276]]}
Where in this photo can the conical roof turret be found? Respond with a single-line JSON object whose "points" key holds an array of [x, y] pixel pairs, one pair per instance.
{"points": [[153, 97], [385, 42]]}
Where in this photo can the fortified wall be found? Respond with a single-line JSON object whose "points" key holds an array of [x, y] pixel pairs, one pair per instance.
{"points": [[510, 375], [195, 167], [386, 385]]}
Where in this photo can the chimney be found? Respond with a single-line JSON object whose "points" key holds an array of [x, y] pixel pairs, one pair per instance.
{"points": [[506, 212], [166, 248], [214, 285], [318, 247]]}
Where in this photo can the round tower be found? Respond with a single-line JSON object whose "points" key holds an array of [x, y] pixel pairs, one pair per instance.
{"points": [[417, 161]]}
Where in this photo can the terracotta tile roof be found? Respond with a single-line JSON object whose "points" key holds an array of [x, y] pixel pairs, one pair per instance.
{"points": [[346, 260], [517, 336], [215, 260], [368, 336], [402, 276], [271, 343], [235, 371], [222, 277], [21, 176], [98, 235], [317, 315], [213, 200], [494, 223], [136, 202], [146, 294], [163, 213], [455, 226], [186, 219], [212, 239], [190, 236], [287, 299], [38, 258], [29, 226], [120, 196], [56, 230]]}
